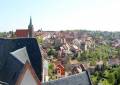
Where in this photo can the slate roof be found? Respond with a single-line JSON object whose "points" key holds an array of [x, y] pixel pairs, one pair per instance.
{"points": [[10, 67], [77, 79]]}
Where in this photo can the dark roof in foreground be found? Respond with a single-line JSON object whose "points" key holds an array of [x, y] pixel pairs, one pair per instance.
{"points": [[77, 79], [10, 67]]}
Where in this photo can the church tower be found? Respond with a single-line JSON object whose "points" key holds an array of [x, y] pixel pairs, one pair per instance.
{"points": [[30, 28]]}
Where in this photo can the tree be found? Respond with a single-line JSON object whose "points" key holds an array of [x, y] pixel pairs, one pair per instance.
{"points": [[118, 75], [118, 51], [51, 51], [39, 39], [111, 78], [92, 63], [50, 70], [84, 55], [50, 66]]}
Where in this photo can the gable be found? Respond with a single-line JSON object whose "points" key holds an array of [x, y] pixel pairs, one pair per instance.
{"points": [[27, 76], [21, 54]]}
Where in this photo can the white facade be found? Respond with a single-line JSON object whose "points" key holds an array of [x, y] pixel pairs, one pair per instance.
{"points": [[28, 79]]}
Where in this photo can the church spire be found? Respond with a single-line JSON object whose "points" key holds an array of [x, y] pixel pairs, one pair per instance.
{"points": [[30, 20], [30, 28]]}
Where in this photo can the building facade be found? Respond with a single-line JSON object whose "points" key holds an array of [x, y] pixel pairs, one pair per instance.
{"points": [[25, 33]]}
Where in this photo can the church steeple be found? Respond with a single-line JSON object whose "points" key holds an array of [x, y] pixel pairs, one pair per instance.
{"points": [[30, 24], [30, 28]]}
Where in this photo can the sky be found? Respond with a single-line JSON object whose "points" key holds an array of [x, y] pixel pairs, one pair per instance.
{"points": [[58, 15]]}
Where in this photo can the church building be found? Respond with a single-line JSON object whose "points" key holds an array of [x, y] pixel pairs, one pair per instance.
{"points": [[25, 33]]}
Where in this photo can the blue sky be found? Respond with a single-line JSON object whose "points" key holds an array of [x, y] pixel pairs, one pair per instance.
{"points": [[60, 14]]}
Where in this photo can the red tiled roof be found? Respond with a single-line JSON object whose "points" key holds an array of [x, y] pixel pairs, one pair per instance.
{"points": [[60, 66], [61, 69], [22, 33]]}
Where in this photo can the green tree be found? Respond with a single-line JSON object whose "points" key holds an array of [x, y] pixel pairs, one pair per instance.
{"points": [[118, 51], [92, 63], [50, 70], [111, 78], [51, 51], [83, 56], [39, 39]]}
